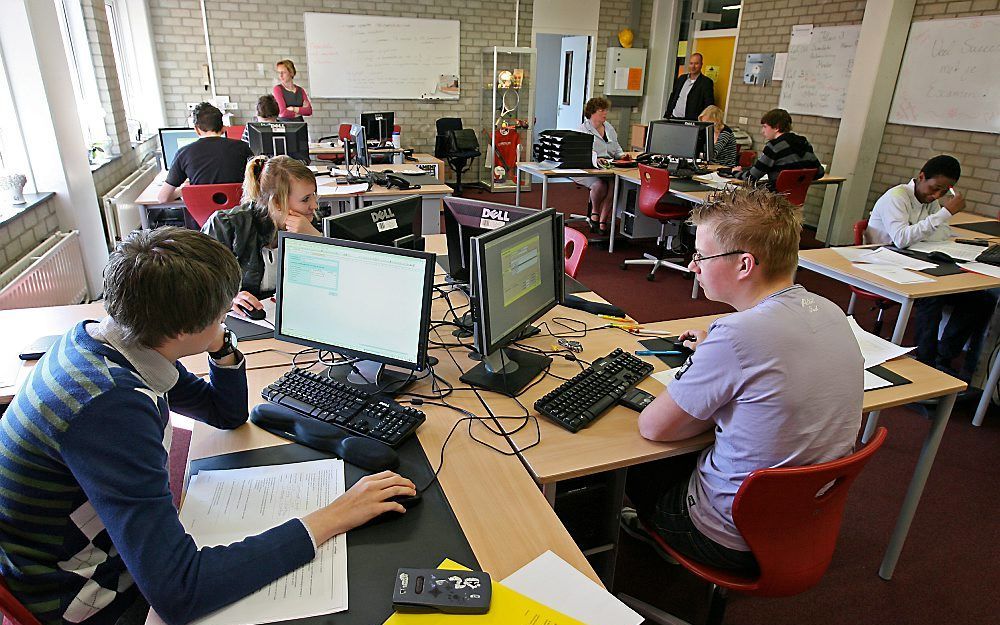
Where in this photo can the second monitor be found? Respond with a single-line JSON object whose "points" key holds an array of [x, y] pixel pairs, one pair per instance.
{"points": [[395, 223], [379, 127], [279, 138]]}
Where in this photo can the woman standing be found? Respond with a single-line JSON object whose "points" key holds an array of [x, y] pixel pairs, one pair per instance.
{"points": [[726, 150], [606, 147], [293, 103]]}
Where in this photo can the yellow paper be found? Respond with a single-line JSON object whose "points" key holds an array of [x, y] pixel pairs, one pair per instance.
{"points": [[506, 608]]}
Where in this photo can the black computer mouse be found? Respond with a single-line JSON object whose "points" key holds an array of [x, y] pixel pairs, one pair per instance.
{"points": [[256, 314], [407, 501], [940, 257]]}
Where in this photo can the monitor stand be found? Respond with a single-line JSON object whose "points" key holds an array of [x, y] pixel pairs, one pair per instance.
{"points": [[373, 377], [506, 371], [466, 325]]}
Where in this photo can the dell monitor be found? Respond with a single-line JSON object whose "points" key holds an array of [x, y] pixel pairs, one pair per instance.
{"points": [[355, 148], [395, 223], [379, 126], [516, 277], [674, 138], [358, 300], [172, 140], [464, 219], [279, 138]]}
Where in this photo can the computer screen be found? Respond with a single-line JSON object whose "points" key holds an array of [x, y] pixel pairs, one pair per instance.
{"points": [[354, 298], [357, 151], [706, 140], [280, 138], [395, 223], [464, 219], [675, 138], [172, 140], [378, 126]]}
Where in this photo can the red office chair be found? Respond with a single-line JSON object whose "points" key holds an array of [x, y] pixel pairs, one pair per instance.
{"points": [[654, 187], [747, 158], [576, 245], [790, 518], [13, 610], [794, 183], [344, 132], [202, 200], [235, 132], [878, 301]]}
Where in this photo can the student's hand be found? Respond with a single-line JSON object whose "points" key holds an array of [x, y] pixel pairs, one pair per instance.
{"points": [[955, 203], [218, 339], [737, 169], [361, 503], [693, 338], [301, 224], [247, 300]]}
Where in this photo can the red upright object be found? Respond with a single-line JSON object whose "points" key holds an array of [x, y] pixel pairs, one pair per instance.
{"points": [[747, 158], [576, 245], [344, 132], [654, 190], [881, 303], [794, 183], [505, 142], [235, 132], [202, 200], [13, 610]]}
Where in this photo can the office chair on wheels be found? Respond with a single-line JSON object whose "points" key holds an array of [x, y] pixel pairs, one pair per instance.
{"points": [[790, 518], [653, 191], [457, 146], [794, 184], [202, 200]]}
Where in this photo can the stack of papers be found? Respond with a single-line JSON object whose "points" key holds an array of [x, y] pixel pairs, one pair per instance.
{"points": [[715, 180], [875, 349], [984, 268], [888, 264], [958, 251], [892, 273]]}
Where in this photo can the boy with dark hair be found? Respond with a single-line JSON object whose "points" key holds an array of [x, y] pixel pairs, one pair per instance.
{"points": [[212, 159], [784, 150], [88, 530], [913, 212]]}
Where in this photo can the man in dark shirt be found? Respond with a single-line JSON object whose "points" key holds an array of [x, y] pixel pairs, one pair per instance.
{"points": [[784, 150], [692, 92], [212, 159]]}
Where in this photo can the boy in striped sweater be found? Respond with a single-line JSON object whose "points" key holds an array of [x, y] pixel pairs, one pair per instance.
{"points": [[88, 530], [784, 150]]}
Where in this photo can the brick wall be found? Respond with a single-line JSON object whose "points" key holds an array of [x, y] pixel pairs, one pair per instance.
{"points": [[24, 232], [108, 175], [615, 15]]}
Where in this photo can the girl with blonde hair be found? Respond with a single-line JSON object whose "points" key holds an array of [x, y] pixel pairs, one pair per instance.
{"points": [[726, 151]]}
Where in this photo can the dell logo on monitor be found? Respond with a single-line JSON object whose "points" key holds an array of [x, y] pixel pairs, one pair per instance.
{"points": [[502, 215], [382, 215]]}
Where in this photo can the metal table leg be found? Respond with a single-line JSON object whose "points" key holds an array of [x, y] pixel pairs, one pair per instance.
{"points": [[833, 214], [904, 315], [984, 401], [549, 490], [545, 192], [517, 187], [614, 215]]}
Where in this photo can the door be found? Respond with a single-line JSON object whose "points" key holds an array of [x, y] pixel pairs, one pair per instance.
{"points": [[572, 80]]}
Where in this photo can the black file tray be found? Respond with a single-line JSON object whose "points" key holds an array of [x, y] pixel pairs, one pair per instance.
{"points": [[423, 537], [246, 331], [942, 269], [991, 228]]}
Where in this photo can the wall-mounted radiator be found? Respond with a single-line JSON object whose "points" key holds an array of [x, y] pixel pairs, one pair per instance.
{"points": [[49, 275], [121, 214]]}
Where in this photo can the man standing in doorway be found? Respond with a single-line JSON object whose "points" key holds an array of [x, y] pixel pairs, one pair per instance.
{"points": [[691, 93]]}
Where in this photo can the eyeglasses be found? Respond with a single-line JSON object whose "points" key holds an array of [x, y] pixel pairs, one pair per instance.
{"points": [[697, 258]]}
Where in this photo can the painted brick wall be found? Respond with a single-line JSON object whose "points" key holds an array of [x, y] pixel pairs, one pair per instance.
{"points": [[25, 231], [108, 175], [615, 15]]}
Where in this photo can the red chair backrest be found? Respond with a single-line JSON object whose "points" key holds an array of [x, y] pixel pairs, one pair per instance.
{"points": [[202, 200], [13, 610], [859, 231], [794, 183], [576, 245], [654, 188], [344, 132], [747, 158], [790, 518], [235, 132]]}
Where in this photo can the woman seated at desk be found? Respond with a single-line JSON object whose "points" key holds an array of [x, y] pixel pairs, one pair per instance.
{"points": [[278, 194], [606, 147], [725, 151], [293, 103]]}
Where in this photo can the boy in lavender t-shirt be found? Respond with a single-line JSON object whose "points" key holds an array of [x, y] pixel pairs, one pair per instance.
{"points": [[780, 380]]}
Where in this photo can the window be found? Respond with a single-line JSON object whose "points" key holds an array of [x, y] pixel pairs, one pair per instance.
{"points": [[81, 69], [13, 156], [124, 53]]}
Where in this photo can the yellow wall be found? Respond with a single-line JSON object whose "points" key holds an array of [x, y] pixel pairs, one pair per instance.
{"points": [[718, 55]]}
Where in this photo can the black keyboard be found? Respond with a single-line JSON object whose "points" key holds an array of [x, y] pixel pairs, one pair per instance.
{"points": [[991, 255], [582, 399], [344, 406]]}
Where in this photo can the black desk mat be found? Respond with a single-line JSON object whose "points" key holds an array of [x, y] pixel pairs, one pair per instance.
{"points": [[940, 269], [246, 331], [889, 376], [423, 537], [681, 184], [665, 345], [991, 227]]}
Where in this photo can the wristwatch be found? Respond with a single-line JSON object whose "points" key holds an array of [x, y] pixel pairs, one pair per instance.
{"points": [[228, 345]]}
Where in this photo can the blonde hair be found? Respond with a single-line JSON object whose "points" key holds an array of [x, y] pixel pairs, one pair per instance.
{"points": [[268, 183], [758, 222], [713, 114], [288, 65]]}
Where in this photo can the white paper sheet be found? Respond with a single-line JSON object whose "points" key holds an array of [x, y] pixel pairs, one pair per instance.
{"points": [[332, 188], [886, 256], [853, 254], [222, 507], [715, 180], [572, 171], [873, 381], [665, 377], [551, 581], [958, 251], [267, 322], [9, 371], [780, 62], [983, 268], [875, 349], [893, 273]]}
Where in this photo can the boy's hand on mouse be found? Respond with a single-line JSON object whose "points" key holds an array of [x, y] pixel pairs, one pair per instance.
{"points": [[248, 301], [692, 338], [361, 503]]}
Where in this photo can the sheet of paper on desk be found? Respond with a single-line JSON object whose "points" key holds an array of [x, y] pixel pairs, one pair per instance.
{"points": [[269, 309], [550, 580], [853, 254], [886, 256], [958, 251], [875, 349], [543, 165], [222, 507], [572, 171], [983, 268], [715, 180], [873, 381], [899, 275], [344, 189], [665, 377]]}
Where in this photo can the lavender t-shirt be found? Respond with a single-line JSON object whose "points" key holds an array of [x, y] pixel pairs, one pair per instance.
{"points": [[783, 383]]}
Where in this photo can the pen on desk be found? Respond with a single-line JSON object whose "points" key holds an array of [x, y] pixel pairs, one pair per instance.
{"points": [[657, 352], [652, 332], [613, 318]]}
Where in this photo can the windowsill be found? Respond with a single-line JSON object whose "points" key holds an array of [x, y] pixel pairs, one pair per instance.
{"points": [[101, 163], [10, 212]]}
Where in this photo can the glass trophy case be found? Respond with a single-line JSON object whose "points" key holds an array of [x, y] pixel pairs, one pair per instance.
{"points": [[506, 115]]}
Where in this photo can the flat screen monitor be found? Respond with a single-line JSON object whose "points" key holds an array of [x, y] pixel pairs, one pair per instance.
{"points": [[356, 150], [280, 138], [395, 223], [356, 299], [516, 277], [674, 138], [379, 126], [464, 219], [172, 140]]}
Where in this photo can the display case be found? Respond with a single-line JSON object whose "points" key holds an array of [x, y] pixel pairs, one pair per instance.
{"points": [[506, 117]]}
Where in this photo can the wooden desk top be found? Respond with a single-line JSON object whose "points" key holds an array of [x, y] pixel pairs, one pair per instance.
{"points": [[148, 195], [326, 148], [831, 261]]}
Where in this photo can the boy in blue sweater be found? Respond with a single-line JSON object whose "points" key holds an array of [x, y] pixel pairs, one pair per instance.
{"points": [[88, 530]]}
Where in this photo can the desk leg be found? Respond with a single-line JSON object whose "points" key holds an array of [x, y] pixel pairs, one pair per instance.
{"points": [[916, 487], [517, 187], [904, 315], [549, 490], [984, 401], [614, 215], [870, 426], [545, 192], [833, 214]]}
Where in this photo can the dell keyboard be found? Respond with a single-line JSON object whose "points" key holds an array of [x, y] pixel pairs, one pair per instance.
{"points": [[591, 392], [344, 406]]}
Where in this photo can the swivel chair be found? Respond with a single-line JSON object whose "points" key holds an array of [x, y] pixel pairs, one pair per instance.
{"points": [[202, 200], [794, 183], [344, 132], [456, 148], [879, 302], [747, 158], [576, 245], [13, 610], [235, 132], [653, 191], [790, 518]]}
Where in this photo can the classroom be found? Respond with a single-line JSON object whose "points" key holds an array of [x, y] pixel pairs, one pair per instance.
{"points": [[570, 311]]}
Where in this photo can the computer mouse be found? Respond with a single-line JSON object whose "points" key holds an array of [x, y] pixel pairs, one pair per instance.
{"points": [[256, 314], [407, 501], [940, 257]]}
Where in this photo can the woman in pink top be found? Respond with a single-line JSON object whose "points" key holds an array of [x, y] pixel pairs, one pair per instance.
{"points": [[293, 102]]}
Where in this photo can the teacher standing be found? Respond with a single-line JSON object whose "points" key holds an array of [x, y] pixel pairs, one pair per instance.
{"points": [[293, 103], [692, 92]]}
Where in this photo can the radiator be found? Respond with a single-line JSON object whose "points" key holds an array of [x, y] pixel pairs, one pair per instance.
{"points": [[121, 213], [49, 275]]}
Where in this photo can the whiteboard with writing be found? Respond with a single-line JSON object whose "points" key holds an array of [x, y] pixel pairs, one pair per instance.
{"points": [[372, 56], [818, 69], [950, 77]]}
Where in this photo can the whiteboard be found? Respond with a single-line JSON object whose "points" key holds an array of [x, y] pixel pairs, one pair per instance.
{"points": [[819, 67], [371, 56], [950, 76]]}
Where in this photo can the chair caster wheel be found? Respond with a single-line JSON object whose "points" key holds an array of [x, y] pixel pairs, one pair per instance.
{"points": [[623, 266], [651, 277]]}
